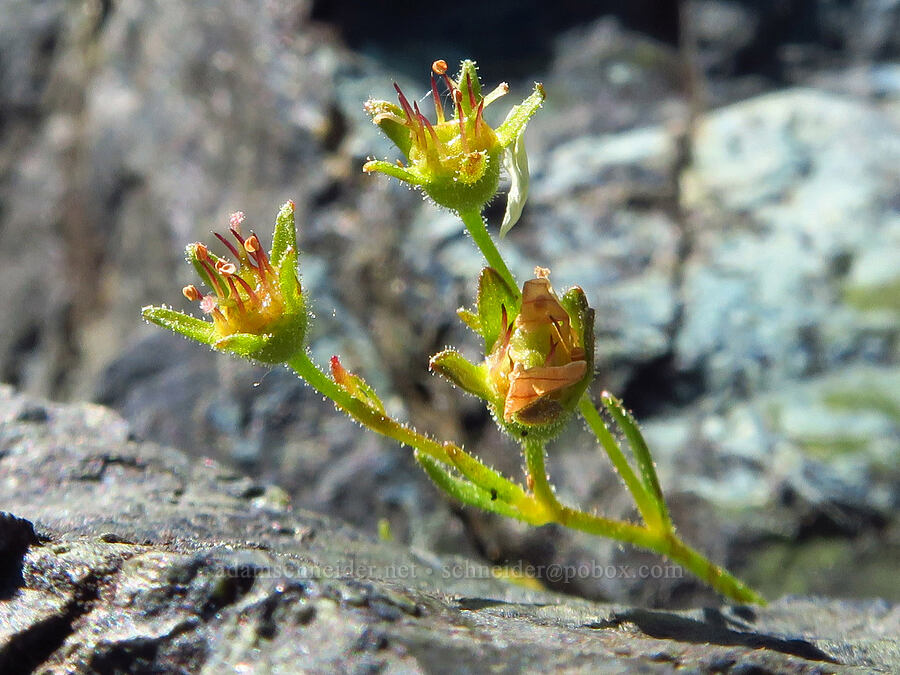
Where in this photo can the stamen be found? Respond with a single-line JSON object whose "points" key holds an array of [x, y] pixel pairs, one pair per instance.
{"points": [[235, 294], [457, 95], [228, 244], [191, 293], [225, 268], [438, 107], [472, 103], [404, 103], [479, 117], [431, 130], [251, 244], [247, 287], [420, 119], [211, 273], [553, 345]]}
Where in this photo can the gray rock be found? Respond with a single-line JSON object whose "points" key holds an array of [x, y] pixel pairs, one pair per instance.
{"points": [[147, 561]]}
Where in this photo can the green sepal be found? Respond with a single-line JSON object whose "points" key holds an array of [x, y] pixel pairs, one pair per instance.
{"points": [[514, 124], [248, 345], [181, 323], [463, 490], [362, 391], [469, 318], [463, 373], [386, 116], [581, 317], [284, 239], [493, 295], [394, 171], [468, 73], [289, 285]]}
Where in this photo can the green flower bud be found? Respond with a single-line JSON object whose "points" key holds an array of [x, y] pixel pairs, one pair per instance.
{"points": [[256, 305], [456, 160]]}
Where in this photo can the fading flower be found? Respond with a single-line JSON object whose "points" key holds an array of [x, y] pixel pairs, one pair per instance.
{"points": [[539, 353]]}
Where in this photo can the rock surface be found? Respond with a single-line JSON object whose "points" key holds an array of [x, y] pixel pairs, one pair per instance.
{"points": [[741, 261], [123, 556]]}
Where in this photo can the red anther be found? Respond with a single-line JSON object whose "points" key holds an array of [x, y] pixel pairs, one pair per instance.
{"points": [[471, 93], [438, 107], [225, 268], [191, 293], [235, 294], [251, 244], [439, 67], [201, 251], [228, 244]]}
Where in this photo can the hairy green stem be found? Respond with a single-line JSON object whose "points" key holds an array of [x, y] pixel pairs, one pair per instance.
{"points": [[537, 472], [386, 426], [474, 223], [665, 542]]}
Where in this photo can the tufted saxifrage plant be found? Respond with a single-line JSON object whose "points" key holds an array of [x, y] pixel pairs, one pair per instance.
{"points": [[538, 344]]}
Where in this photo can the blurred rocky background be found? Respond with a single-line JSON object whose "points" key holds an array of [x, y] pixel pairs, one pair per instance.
{"points": [[723, 179]]}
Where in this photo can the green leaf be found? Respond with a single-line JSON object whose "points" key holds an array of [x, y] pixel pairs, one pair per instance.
{"points": [[285, 237], [515, 161], [179, 322], [493, 296], [464, 374], [463, 490], [514, 124], [639, 448], [387, 116]]}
